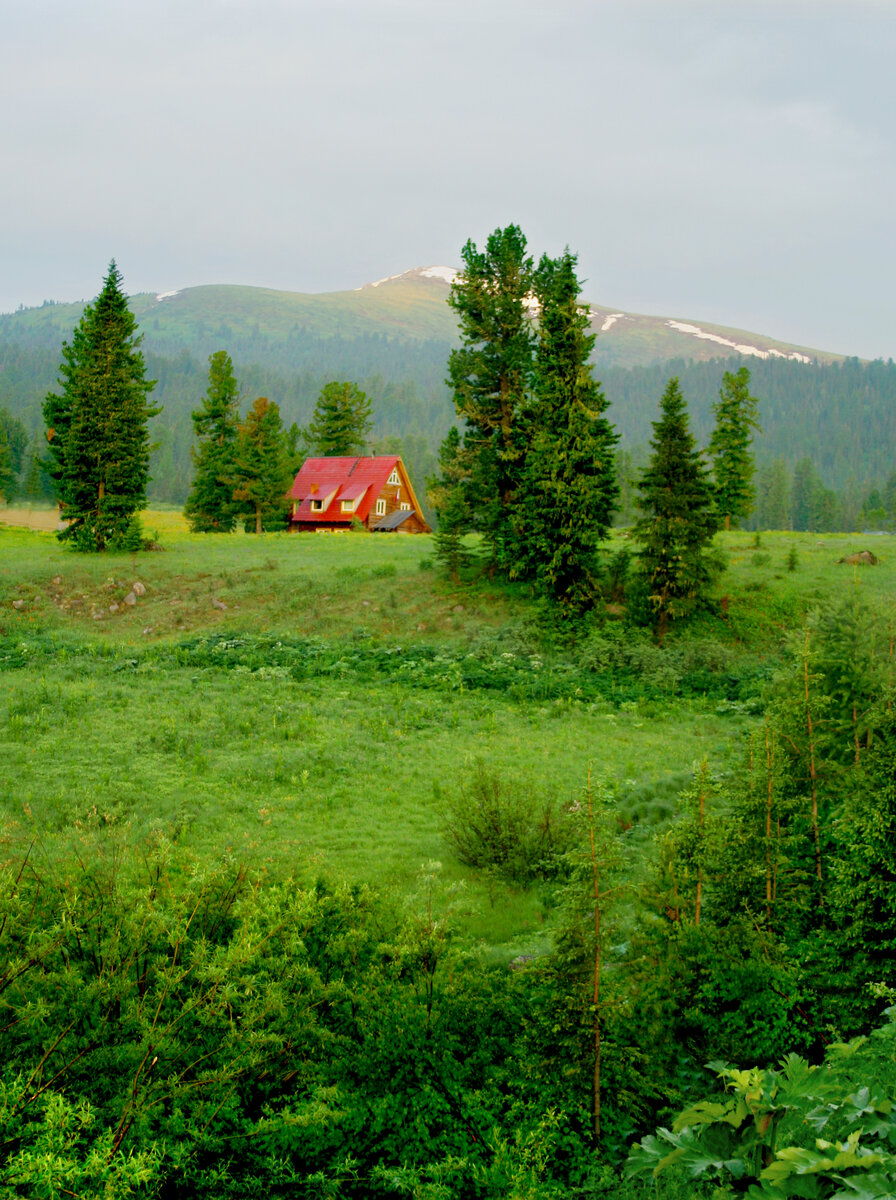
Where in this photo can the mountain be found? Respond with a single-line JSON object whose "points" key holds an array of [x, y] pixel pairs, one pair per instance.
{"points": [[284, 330]]}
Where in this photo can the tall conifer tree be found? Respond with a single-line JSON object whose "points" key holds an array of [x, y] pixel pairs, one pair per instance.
{"points": [[491, 375], [97, 429], [447, 493], [341, 422], [679, 518], [262, 475], [7, 475], [730, 447], [210, 506], [568, 488]]}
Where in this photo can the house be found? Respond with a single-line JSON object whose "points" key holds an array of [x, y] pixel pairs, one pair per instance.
{"points": [[331, 493]]}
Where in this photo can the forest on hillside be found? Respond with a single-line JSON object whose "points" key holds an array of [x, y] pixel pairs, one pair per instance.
{"points": [[827, 429]]}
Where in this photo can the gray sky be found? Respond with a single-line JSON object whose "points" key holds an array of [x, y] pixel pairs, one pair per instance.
{"points": [[729, 161]]}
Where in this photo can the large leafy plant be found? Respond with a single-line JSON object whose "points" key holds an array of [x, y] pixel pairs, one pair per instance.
{"points": [[826, 1131]]}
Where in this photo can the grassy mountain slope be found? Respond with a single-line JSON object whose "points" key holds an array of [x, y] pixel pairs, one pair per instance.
{"points": [[409, 308]]}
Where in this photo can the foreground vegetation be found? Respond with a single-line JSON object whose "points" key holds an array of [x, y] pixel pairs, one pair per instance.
{"points": [[257, 938]]}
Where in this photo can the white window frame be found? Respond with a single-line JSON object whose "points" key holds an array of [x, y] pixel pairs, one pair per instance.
{"points": [[381, 507], [394, 478], [317, 506], [404, 507]]}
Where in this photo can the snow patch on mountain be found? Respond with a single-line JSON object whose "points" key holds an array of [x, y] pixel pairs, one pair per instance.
{"points": [[610, 321], [167, 295], [740, 347], [444, 274]]}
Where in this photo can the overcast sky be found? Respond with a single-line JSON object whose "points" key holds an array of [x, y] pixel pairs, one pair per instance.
{"points": [[728, 161]]}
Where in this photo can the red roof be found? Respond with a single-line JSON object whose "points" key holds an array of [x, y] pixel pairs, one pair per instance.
{"points": [[351, 477]]}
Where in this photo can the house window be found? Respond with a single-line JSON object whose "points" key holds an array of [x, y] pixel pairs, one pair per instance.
{"points": [[381, 507], [394, 478], [348, 506], [405, 507], [317, 506]]}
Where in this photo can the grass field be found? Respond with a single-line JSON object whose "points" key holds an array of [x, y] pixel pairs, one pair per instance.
{"points": [[308, 703]]}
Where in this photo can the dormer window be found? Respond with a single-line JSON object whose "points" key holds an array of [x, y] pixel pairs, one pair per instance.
{"points": [[393, 478], [317, 506]]}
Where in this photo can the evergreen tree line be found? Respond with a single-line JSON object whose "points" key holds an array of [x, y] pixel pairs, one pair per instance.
{"points": [[405, 417], [840, 418], [785, 498]]}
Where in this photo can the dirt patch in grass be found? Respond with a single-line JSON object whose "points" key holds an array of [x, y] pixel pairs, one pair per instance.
{"points": [[43, 519]]}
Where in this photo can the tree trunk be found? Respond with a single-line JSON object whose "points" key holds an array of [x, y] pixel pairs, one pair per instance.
{"points": [[769, 760], [595, 1095], [699, 899], [813, 779]]}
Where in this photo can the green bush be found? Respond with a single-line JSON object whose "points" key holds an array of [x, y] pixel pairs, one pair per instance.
{"points": [[501, 824]]}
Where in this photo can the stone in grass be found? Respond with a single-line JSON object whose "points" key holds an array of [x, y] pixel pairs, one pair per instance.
{"points": [[18, 605], [130, 599], [138, 588], [113, 607], [219, 604], [458, 608]]}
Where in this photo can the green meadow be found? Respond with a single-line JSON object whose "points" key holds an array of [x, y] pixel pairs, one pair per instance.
{"points": [[309, 705]]}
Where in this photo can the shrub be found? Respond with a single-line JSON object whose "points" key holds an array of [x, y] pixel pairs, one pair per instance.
{"points": [[503, 825]]}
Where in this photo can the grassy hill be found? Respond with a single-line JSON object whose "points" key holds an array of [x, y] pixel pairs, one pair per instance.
{"points": [[409, 308]]}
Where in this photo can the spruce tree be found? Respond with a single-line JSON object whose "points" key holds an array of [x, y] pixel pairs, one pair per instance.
{"points": [[97, 429], [773, 509], [261, 475], [491, 375], [447, 493], [7, 474], [730, 447], [210, 506], [679, 518], [568, 490], [13, 444], [341, 422]]}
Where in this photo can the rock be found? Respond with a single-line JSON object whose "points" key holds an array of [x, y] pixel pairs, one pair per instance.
{"points": [[130, 600], [458, 608], [138, 588], [219, 604], [113, 607], [147, 630], [863, 558], [57, 580], [18, 605]]}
